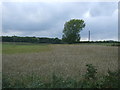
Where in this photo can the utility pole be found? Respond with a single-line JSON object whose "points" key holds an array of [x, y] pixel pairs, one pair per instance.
{"points": [[14, 39], [89, 36]]}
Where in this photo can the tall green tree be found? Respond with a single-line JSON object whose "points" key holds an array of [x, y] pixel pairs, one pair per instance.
{"points": [[71, 31]]}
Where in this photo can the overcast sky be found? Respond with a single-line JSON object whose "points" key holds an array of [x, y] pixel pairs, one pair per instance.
{"points": [[45, 19]]}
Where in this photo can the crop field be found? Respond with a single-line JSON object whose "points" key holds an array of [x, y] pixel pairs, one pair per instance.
{"points": [[67, 60]]}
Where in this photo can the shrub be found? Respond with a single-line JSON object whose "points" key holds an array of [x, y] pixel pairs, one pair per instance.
{"points": [[91, 72]]}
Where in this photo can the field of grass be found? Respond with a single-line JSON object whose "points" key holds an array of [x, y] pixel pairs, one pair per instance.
{"points": [[64, 60], [15, 48], [105, 44]]}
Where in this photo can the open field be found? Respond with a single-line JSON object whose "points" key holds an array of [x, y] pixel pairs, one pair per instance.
{"points": [[62, 59], [15, 48]]}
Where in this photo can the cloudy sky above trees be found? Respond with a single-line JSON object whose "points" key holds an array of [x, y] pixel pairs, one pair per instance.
{"points": [[47, 19]]}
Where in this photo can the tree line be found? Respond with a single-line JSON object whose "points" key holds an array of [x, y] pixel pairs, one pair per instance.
{"points": [[44, 40], [31, 39]]}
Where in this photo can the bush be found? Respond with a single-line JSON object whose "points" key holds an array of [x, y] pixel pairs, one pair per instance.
{"points": [[91, 72]]}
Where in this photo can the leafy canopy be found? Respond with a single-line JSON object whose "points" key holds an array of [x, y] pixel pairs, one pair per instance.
{"points": [[72, 29]]}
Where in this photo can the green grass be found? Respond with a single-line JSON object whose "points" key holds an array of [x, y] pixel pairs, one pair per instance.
{"points": [[15, 48], [23, 67], [111, 80], [103, 44]]}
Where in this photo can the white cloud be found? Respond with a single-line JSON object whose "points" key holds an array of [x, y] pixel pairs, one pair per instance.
{"points": [[87, 15], [47, 19], [59, 0], [12, 33], [84, 39]]}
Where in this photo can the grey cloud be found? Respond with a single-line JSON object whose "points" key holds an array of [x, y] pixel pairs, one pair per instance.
{"points": [[103, 9], [47, 19]]}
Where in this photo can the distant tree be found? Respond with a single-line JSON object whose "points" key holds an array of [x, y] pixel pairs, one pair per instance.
{"points": [[72, 30], [30, 39]]}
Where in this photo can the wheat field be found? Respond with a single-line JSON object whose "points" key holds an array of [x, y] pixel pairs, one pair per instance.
{"points": [[61, 59]]}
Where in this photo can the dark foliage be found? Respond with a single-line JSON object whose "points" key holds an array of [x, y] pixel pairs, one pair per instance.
{"points": [[30, 39], [71, 31]]}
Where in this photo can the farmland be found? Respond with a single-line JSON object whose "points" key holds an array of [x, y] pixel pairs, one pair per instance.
{"points": [[66, 60]]}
